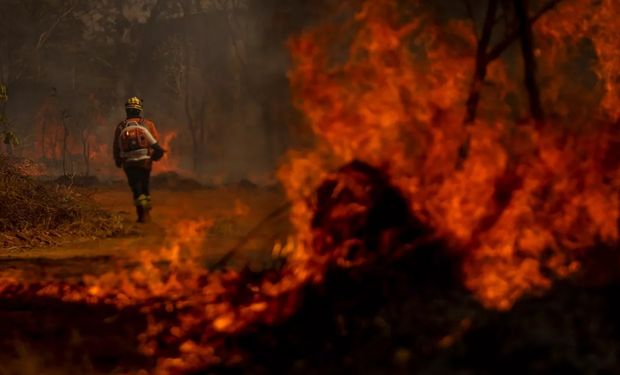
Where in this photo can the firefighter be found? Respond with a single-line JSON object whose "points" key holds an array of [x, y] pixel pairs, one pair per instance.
{"points": [[135, 148]]}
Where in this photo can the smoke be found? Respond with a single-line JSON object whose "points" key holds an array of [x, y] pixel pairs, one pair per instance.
{"points": [[212, 72]]}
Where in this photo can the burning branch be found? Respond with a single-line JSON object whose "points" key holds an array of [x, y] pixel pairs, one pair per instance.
{"points": [[275, 214]]}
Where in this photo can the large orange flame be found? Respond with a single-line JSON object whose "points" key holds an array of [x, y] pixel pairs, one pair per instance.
{"points": [[520, 206]]}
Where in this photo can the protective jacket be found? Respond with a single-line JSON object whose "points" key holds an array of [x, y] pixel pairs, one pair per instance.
{"points": [[136, 143]]}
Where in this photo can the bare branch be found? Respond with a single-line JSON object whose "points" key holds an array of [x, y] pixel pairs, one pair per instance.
{"points": [[483, 59], [481, 62], [529, 66], [46, 34], [514, 36]]}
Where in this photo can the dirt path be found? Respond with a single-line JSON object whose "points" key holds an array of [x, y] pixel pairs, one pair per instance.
{"points": [[234, 211]]}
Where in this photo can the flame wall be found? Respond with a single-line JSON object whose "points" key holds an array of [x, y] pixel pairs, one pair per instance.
{"points": [[525, 200]]}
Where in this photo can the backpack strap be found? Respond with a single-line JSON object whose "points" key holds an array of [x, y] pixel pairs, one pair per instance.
{"points": [[123, 125]]}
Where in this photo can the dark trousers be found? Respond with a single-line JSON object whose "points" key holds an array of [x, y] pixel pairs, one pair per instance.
{"points": [[138, 179]]}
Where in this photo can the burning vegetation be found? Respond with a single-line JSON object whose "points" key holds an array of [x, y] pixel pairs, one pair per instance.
{"points": [[519, 200], [74, 145], [431, 180]]}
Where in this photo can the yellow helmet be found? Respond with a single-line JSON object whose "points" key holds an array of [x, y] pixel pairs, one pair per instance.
{"points": [[134, 102]]}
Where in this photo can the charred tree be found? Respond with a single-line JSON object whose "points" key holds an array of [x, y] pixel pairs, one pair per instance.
{"points": [[529, 61], [485, 56], [86, 153], [194, 80], [64, 115], [482, 61], [187, 101]]}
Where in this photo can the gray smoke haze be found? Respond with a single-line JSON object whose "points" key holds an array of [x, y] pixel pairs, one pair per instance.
{"points": [[213, 72]]}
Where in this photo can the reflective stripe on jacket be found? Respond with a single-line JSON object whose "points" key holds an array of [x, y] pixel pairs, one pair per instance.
{"points": [[116, 150], [140, 154]]}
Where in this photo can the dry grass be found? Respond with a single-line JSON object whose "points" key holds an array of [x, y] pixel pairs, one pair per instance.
{"points": [[31, 211]]}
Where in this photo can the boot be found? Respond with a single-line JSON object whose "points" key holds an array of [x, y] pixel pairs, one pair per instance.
{"points": [[143, 208], [146, 215], [146, 203], [140, 213]]}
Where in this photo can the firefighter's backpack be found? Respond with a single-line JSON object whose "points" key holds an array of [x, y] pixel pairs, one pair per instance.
{"points": [[133, 137]]}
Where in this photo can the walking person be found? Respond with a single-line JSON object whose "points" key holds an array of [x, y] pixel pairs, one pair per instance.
{"points": [[135, 149]]}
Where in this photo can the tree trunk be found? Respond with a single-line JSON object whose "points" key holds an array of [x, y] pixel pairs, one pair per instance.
{"points": [[481, 62], [193, 123], [43, 137], [65, 137], [146, 43], [195, 146], [187, 106], [86, 155], [529, 61]]}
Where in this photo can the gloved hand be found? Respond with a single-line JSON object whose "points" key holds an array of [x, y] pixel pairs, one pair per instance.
{"points": [[158, 152]]}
